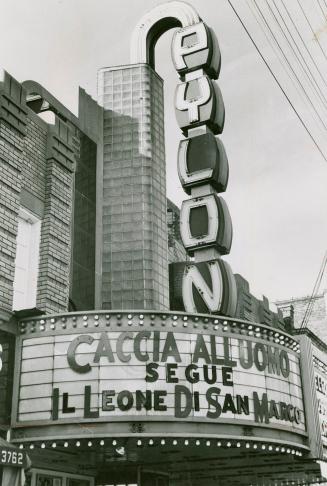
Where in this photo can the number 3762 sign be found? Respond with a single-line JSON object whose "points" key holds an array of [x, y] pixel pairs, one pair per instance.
{"points": [[12, 457]]}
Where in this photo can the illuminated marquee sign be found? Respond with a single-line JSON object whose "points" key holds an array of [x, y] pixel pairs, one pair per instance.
{"points": [[205, 222], [179, 374]]}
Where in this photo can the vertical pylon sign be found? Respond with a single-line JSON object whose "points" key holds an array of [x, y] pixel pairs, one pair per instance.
{"points": [[206, 228]]}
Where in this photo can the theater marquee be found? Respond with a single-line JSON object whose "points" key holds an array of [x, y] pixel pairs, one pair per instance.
{"points": [[120, 368]]}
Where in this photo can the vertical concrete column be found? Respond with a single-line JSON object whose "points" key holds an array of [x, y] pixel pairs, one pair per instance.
{"points": [[135, 249], [88, 253], [12, 133]]}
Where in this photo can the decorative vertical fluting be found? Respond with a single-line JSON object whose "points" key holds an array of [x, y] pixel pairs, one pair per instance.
{"points": [[208, 284], [135, 249], [12, 134]]}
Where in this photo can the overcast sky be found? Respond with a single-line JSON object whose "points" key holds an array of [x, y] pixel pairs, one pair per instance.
{"points": [[277, 192]]}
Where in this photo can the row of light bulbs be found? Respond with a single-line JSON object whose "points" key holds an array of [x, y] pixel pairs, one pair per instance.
{"points": [[245, 328], [180, 442]]}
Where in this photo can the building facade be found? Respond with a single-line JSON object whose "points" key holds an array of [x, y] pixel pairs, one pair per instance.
{"points": [[307, 312], [130, 353]]}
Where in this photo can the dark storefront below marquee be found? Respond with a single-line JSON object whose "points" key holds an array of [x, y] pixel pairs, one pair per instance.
{"points": [[175, 461]]}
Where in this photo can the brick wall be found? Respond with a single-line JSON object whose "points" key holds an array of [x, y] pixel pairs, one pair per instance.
{"points": [[37, 164], [56, 230], [34, 154], [12, 133], [54, 266]]}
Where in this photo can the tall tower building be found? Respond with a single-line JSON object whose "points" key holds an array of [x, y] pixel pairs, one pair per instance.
{"points": [[134, 225]]}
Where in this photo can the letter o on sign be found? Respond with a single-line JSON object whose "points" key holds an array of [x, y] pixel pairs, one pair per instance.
{"points": [[284, 364], [205, 221]]}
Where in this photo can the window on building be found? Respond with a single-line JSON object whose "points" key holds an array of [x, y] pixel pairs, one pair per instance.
{"points": [[27, 260]]}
